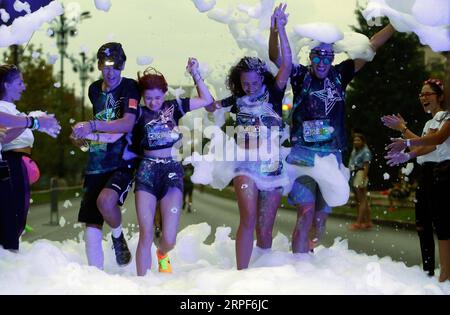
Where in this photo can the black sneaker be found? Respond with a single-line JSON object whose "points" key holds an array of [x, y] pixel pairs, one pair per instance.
{"points": [[123, 255]]}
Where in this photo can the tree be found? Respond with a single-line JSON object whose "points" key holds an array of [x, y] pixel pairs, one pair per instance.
{"points": [[55, 157], [388, 85]]}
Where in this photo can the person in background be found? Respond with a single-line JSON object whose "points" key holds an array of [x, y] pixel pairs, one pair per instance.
{"points": [[432, 151], [359, 169], [17, 170]]}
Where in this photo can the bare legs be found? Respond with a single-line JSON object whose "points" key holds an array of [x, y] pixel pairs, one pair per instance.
{"points": [[145, 208], [170, 213], [107, 204], [268, 202], [363, 207], [257, 210], [300, 236], [444, 260], [247, 197]]}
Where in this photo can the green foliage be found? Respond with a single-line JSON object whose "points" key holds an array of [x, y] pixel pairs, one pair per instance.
{"points": [[387, 85], [55, 157]]}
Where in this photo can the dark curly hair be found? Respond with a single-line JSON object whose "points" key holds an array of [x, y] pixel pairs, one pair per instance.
{"points": [[247, 64], [152, 79], [7, 74]]}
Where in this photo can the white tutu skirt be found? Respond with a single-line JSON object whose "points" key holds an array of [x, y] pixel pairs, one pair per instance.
{"points": [[219, 174], [218, 170], [331, 176]]}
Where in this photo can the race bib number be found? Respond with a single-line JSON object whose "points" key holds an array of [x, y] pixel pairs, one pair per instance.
{"points": [[317, 130], [269, 166]]}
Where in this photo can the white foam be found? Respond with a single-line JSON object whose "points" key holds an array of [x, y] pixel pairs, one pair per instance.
{"points": [[204, 5], [20, 6], [103, 5], [46, 267], [21, 30], [144, 60], [429, 20], [321, 32], [432, 12], [52, 58], [4, 15]]}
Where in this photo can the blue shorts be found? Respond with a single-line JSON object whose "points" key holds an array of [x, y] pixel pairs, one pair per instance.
{"points": [[156, 176], [306, 191]]}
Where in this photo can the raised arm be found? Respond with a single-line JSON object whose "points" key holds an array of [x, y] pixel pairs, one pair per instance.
{"points": [[204, 96], [274, 45], [377, 40], [281, 19]]}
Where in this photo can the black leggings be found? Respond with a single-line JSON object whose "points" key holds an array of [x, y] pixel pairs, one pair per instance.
{"points": [[441, 215], [8, 218], [20, 195], [424, 216]]}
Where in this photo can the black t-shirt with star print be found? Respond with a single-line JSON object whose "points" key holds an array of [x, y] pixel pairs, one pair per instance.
{"points": [[159, 128], [320, 102], [108, 106]]}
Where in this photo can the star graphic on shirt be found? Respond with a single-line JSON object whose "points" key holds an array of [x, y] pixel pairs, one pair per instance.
{"points": [[329, 95], [164, 117]]}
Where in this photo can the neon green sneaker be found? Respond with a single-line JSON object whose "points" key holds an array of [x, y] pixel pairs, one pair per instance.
{"points": [[163, 263]]}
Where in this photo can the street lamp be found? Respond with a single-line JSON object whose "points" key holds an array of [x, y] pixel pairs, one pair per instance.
{"points": [[62, 28], [83, 66]]}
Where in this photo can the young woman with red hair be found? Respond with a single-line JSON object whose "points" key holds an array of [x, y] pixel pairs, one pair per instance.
{"points": [[160, 177]]}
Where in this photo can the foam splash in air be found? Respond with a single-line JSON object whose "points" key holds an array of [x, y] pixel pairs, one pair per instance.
{"points": [[103, 5], [429, 20], [21, 30]]}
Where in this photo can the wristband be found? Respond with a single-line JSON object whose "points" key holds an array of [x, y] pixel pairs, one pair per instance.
{"points": [[403, 131], [29, 122], [408, 143], [36, 125]]}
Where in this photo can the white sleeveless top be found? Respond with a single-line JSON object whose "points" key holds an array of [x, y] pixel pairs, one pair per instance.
{"points": [[24, 140]]}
